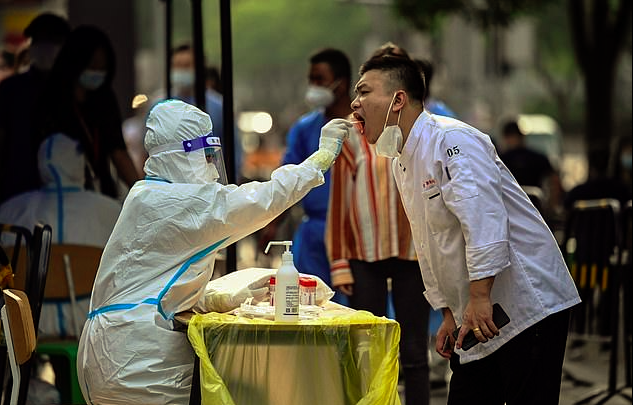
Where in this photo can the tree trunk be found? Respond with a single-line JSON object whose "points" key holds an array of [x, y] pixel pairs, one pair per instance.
{"points": [[597, 33]]}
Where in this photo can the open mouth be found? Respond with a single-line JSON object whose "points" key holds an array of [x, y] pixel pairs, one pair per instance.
{"points": [[359, 123]]}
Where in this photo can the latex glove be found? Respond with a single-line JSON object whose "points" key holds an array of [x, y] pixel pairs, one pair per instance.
{"points": [[323, 159], [333, 134], [228, 292]]}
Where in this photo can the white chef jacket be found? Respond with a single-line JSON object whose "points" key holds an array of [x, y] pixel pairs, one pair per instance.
{"points": [[471, 220]]}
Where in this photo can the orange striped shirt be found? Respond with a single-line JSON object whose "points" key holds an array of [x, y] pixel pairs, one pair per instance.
{"points": [[366, 220]]}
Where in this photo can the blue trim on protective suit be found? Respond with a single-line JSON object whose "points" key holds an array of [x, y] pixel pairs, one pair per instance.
{"points": [[153, 178], [157, 301], [184, 268], [73, 189], [60, 204]]}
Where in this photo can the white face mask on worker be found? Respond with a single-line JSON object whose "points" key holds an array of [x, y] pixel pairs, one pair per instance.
{"points": [[390, 142]]}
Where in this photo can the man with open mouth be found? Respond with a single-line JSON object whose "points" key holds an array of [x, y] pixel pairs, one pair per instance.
{"points": [[479, 241]]}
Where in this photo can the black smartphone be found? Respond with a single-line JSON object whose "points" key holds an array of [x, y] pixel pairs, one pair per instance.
{"points": [[500, 318]]}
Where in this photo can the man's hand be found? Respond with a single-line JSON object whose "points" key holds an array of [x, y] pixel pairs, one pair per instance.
{"points": [[345, 289], [444, 339], [478, 314]]}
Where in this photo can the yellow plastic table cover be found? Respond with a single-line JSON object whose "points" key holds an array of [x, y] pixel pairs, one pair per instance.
{"points": [[349, 358]]}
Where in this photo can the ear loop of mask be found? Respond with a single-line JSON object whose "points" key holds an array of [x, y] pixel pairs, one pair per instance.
{"points": [[387, 116]]}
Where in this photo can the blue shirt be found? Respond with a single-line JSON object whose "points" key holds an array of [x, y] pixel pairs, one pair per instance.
{"points": [[303, 141]]}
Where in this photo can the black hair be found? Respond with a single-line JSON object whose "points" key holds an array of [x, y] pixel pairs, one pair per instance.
{"points": [[338, 62], [427, 68], [403, 73], [47, 26], [182, 48], [76, 54], [389, 48], [511, 128], [57, 103]]}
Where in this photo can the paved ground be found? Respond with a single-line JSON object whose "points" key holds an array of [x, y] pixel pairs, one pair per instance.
{"points": [[589, 365]]}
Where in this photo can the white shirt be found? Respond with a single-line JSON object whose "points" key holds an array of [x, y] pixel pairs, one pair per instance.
{"points": [[471, 220]]}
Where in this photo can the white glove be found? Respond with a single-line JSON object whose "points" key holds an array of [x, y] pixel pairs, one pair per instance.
{"points": [[229, 291], [333, 134]]}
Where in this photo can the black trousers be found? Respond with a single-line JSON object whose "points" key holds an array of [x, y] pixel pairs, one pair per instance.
{"points": [[525, 371], [411, 310]]}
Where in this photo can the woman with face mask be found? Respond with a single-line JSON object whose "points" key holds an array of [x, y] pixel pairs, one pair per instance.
{"points": [[79, 101]]}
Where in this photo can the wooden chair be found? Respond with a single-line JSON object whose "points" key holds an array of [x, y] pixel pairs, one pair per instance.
{"points": [[77, 265], [17, 322], [17, 245]]}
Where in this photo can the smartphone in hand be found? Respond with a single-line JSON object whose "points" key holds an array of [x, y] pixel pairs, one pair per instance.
{"points": [[500, 318]]}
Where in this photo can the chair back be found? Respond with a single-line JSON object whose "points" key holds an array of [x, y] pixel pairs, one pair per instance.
{"points": [[16, 244], [81, 261], [36, 278], [20, 324], [17, 322], [77, 265], [592, 246]]}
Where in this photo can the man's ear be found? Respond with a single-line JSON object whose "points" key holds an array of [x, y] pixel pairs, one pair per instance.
{"points": [[400, 99]]}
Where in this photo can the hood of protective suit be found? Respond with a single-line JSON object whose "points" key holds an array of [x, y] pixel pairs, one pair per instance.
{"points": [[61, 162], [174, 121]]}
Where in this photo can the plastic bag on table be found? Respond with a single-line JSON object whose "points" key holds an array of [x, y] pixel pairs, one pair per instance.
{"points": [[226, 293]]}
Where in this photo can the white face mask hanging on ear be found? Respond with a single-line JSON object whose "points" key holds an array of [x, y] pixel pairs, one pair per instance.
{"points": [[390, 141]]}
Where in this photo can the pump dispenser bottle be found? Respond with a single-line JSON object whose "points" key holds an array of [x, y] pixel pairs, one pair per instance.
{"points": [[286, 286]]}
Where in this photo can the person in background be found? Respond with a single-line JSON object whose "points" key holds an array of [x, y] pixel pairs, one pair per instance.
{"points": [[602, 182], [19, 95], [328, 96], [79, 101], [368, 241], [76, 215], [531, 169], [161, 254], [370, 249], [183, 80], [479, 241], [432, 104], [7, 64], [213, 82]]}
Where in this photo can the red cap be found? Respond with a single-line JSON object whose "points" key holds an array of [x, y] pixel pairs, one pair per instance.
{"points": [[307, 282], [272, 280]]}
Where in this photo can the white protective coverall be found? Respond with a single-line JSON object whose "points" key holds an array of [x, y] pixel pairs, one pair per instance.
{"points": [[161, 256], [76, 216]]}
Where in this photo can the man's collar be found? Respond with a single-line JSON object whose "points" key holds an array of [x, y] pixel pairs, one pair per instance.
{"points": [[413, 138]]}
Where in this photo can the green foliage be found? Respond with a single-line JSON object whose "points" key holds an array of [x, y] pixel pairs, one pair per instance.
{"points": [[283, 33], [428, 15]]}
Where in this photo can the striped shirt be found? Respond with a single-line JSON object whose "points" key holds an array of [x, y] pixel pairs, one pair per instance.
{"points": [[365, 220]]}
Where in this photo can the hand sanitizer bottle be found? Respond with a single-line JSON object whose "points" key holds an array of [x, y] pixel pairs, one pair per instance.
{"points": [[286, 286]]}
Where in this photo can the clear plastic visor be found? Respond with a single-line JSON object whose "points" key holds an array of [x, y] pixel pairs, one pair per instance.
{"points": [[212, 151]]}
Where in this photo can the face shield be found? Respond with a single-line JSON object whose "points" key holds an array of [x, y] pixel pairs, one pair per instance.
{"points": [[204, 155]]}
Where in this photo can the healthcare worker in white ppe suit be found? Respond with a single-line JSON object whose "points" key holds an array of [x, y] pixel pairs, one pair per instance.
{"points": [[161, 254]]}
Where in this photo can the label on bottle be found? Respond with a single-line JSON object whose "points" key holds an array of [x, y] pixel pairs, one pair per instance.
{"points": [[292, 300]]}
